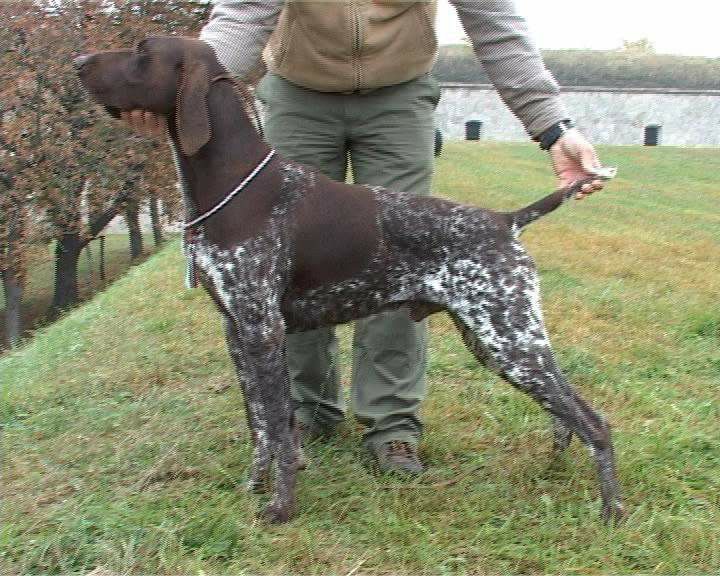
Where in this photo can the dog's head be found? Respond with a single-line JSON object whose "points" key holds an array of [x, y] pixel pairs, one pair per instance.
{"points": [[164, 74]]}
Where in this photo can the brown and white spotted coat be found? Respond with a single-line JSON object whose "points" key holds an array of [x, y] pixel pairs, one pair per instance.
{"points": [[296, 251]]}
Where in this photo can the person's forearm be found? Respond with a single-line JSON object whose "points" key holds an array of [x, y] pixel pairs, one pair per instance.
{"points": [[238, 31], [513, 63]]}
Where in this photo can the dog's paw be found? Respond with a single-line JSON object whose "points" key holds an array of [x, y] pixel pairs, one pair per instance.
{"points": [[301, 460], [258, 484], [613, 513], [277, 513]]}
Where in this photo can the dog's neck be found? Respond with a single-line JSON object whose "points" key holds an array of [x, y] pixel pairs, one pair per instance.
{"points": [[233, 151]]}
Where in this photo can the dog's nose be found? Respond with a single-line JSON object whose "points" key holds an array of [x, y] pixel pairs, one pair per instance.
{"points": [[80, 61]]}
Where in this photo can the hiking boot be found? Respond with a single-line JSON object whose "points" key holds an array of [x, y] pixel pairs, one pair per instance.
{"points": [[397, 457]]}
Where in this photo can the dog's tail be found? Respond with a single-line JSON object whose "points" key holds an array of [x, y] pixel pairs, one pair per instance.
{"points": [[519, 219]]}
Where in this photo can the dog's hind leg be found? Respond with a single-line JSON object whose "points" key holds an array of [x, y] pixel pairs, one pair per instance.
{"points": [[506, 332], [561, 434]]}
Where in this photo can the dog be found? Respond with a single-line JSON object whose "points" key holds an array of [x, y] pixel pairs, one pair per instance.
{"points": [[291, 250]]}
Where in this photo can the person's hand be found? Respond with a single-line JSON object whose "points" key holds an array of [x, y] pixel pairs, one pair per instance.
{"points": [[145, 122], [574, 158]]}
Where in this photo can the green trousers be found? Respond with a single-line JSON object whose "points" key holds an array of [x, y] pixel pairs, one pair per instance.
{"points": [[387, 136]]}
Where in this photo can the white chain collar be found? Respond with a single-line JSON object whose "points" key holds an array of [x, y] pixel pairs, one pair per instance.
{"points": [[220, 205]]}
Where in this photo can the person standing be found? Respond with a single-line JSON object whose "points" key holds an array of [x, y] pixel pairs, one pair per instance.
{"points": [[348, 83]]}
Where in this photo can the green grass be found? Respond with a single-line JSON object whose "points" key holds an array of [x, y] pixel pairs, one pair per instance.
{"points": [[118, 452], [39, 285]]}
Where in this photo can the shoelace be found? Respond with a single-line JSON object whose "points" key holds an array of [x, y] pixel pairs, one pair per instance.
{"points": [[397, 448]]}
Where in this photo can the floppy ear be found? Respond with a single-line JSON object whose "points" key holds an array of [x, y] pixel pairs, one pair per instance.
{"points": [[191, 115]]}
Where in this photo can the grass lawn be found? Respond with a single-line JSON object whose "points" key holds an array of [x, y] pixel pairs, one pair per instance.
{"points": [[39, 287], [118, 452]]}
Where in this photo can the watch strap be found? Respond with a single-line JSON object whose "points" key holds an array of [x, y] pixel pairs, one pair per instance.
{"points": [[553, 134]]}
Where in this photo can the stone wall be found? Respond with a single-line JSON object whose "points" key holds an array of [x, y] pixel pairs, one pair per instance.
{"points": [[605, 115]]}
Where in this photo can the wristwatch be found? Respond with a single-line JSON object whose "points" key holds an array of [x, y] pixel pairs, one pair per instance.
{"points": [[552, 134]]}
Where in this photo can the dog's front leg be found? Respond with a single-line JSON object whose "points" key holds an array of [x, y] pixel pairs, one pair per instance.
{"points": [[259, 476], [256, 341]]}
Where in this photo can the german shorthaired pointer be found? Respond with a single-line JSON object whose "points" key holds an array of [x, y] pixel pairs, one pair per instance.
{"points": [[294, 251]]}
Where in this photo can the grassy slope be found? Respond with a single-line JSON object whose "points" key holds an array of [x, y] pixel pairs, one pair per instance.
{"points": [[117, 451], [39, 286]]}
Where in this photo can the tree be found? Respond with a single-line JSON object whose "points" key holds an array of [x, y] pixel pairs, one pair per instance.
{"points": [[17, 155], [641, 46], [12, 270], [132, 208], [161, 191], [70, 142], [58, 154], [635, 65]]}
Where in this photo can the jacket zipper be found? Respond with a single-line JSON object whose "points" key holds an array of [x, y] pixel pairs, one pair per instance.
{"points": [[356, 42]]}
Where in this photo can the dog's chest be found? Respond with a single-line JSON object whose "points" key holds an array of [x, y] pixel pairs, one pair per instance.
{"points": [[247, 279]]}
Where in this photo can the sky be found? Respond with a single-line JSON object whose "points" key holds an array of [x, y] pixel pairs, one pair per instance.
{"points": [[690, 27]]}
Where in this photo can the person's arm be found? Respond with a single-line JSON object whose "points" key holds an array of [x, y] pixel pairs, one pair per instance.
{"points": [[501, 42], [238, 31]]}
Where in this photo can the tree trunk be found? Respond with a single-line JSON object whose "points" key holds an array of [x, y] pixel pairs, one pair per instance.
{"points": [[155, 218], [13, 287], [12, 247], [132, 219], [67, 254]]}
